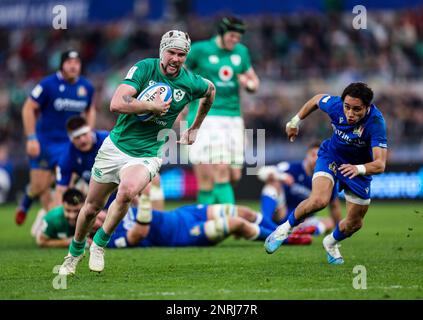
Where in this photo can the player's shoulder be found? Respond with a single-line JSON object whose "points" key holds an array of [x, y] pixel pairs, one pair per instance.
{"points": [[85, 81], [49, 80], [54, 214], [329, 99], [147, 62], [375, 112], [296, 167], [240, 48]]}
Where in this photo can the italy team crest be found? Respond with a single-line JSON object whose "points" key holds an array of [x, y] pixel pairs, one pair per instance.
{"points": [[358, 131], [82, 92]]}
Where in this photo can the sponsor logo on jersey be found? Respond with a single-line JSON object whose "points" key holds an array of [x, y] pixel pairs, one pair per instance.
{"points": [[226, 73], [236, 59], [69, 104], [82, 92], [213, 59], [178, 95]]}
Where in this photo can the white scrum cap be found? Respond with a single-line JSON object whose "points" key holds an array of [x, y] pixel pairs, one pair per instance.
{"points": [[175, 39]]}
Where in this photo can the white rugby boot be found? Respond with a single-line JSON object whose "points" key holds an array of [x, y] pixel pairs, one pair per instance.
{"points": [[96, 262]]}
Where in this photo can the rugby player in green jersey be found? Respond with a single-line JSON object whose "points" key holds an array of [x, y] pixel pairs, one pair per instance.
{"points": [[218, 153], [131, 156]]}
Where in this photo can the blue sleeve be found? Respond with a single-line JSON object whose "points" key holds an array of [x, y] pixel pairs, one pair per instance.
{"points": [[328, 103], [40, 93], [378, 133], [64, 169]]}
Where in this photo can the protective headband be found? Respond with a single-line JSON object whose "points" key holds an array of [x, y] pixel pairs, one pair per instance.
{"points": [[175, 39], [79, 132]]}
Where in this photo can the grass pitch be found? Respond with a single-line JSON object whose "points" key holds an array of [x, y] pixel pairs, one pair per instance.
{"points": [[390, 247]]}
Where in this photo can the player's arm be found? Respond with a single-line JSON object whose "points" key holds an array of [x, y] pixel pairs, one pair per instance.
{"points": [[90, 115], [29, 119], [44, 241], [249, 80], [188, 137], [376, 166], [58, 195], [143, 219], [335, 210], [292, 127], [123, 101]]}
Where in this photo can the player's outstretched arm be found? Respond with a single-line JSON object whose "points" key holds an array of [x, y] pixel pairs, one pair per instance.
{"points": [[292, 127], [45, 242], [188, 137], [370, 168], [29, 119], [123, 101]]}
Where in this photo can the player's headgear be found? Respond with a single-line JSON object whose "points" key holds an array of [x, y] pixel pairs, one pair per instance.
{"points": [[69, 54], [175, 39], [231, 24]]}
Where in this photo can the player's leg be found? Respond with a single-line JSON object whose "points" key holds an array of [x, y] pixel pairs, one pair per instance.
{"points": [[156, 194], [40, 181], [319, 198], [133, 179], [223, 191], [98, 193], [272, 201], [218, 211], [204, 175], [356, 210]]}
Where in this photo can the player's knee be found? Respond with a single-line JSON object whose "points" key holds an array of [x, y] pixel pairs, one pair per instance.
{"points": [[319, 203], [127, 192], [353, 225], [92, 209]]}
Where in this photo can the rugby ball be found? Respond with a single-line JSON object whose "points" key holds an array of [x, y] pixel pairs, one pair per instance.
{"points": [[149, 94]]}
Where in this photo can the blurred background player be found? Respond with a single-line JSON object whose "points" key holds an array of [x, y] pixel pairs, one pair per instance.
{"points": [[190, 225], [218, 153], [287, 184], [56, 98], [58, 225], [356, 151], [131, 156]]}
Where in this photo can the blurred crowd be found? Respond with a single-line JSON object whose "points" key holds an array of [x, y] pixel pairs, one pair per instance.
{"points": [[295, 56]]}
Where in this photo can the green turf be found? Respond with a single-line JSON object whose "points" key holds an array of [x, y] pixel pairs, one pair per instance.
{"points": [[390, 246]]}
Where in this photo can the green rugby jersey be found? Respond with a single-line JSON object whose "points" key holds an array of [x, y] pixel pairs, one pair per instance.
{"points": [[221, 67], [55, 225], [140, 138]]}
